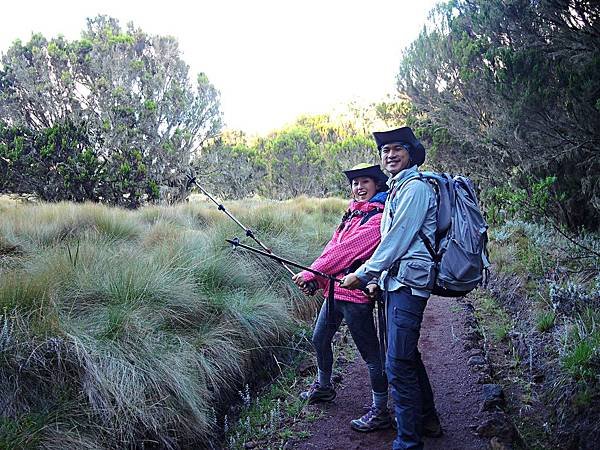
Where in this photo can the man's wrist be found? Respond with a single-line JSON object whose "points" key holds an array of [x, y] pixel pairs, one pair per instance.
{"points": [[364, 279]]}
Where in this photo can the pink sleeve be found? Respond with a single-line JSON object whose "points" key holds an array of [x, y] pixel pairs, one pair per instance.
{"points": [[338, 256], [309, 276]]}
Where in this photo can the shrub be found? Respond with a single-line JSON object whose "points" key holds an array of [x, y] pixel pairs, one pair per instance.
{"points": [[581, 355]]}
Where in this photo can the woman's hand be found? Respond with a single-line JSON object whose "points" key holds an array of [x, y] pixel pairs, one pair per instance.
{"points": [[299, 280], [307, 288], [351, 281]]}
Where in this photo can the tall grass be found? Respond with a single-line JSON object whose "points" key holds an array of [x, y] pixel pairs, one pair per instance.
{"points": [[126, 329]]}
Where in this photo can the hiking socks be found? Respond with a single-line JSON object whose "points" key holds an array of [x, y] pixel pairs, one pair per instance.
{"points": [[324, 378], [380, 400]]}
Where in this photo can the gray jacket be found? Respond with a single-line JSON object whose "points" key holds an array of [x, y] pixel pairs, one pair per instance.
{"points": [[410, 209]]}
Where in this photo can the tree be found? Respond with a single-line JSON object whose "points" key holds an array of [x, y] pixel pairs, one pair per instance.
{"points": [[509, 92], [291, 159], [230, 169], [57, 163], [131, 93], [305, 158], [344, 155]]}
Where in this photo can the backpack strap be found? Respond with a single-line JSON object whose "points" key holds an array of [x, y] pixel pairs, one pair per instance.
{"points": [[345, 217], [365, 216], [436, 258], [430, 248], [485, 257], [395, 190], [370, 214]]}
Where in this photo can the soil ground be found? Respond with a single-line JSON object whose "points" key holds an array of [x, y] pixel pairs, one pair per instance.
{"points": [[458, 396]]}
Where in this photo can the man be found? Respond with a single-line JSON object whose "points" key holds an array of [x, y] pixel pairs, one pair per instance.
{"points": [[403, 269]]}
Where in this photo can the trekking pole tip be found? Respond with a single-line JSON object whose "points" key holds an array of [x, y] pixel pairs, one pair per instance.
{"points": [[234, 242]]}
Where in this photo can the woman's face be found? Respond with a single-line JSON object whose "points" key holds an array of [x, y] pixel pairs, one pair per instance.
{"points": [[363, 188]]}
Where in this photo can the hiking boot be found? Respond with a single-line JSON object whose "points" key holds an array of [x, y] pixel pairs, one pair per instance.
{"points": [[432, 426], [316, 393], [375, 419]]}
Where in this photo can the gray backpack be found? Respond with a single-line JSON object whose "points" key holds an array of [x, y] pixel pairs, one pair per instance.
{"points": [[460, 247]]}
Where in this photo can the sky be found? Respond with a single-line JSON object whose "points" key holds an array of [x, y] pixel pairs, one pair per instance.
{"points": [[272, 60]]}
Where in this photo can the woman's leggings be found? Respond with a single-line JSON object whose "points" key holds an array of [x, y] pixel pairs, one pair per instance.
{"points": [[359, 318]]}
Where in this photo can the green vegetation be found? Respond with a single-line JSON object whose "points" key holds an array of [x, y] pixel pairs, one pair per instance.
{"points": [[112, 118], [276, 414], [488, 79], [496, 322], [545, 320], [305, 158], [270, 416], [581, 356], [120, 327], [547, 286]]}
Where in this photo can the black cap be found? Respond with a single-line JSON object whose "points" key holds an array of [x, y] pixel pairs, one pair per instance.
{"points": [[365, 170], [406, 138]]}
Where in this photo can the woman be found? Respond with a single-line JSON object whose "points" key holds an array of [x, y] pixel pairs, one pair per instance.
{"points": [[352, 243]]}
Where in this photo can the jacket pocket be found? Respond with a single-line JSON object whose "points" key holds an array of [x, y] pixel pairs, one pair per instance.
{"points": [[417, 274]]}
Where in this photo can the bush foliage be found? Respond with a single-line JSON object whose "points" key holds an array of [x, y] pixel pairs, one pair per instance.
{"points": [[307, 157], [550, 284]]}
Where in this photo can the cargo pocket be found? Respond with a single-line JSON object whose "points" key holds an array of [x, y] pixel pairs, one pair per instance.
{"points": [[417, 274], [460, 264], [403, 335]]}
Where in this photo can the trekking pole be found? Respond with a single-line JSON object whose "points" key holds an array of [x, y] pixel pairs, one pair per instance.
{"points": [[236, 243], [248, 231], [330, 294], [382, 327]]}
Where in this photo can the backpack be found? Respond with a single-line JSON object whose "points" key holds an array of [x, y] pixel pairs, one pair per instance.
{"points": [[460, 248]]}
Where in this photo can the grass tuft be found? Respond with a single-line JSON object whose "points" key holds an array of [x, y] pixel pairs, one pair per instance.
{"points": [[127, 328], [545, 321]]}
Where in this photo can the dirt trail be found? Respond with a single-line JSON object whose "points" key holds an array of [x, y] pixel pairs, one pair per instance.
{"points": [[457, 394]]}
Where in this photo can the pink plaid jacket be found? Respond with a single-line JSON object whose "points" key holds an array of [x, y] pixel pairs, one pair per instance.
{"points": [[350, 242]]}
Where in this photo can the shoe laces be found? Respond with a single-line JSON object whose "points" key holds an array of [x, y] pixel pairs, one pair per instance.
{"points": [[373, 412]]}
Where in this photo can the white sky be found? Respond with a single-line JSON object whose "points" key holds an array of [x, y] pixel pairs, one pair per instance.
{"points": [[272, 60]]}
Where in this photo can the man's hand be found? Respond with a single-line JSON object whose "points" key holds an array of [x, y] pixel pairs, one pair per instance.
{"points": [[372, 290], [351, 281]]}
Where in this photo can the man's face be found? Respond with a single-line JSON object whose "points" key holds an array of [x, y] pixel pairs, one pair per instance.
{"points": [[394, 158]]}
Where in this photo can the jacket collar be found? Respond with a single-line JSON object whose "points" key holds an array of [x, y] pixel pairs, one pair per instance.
{"points": [[380, 197], [376, 201], [403, 175]]}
